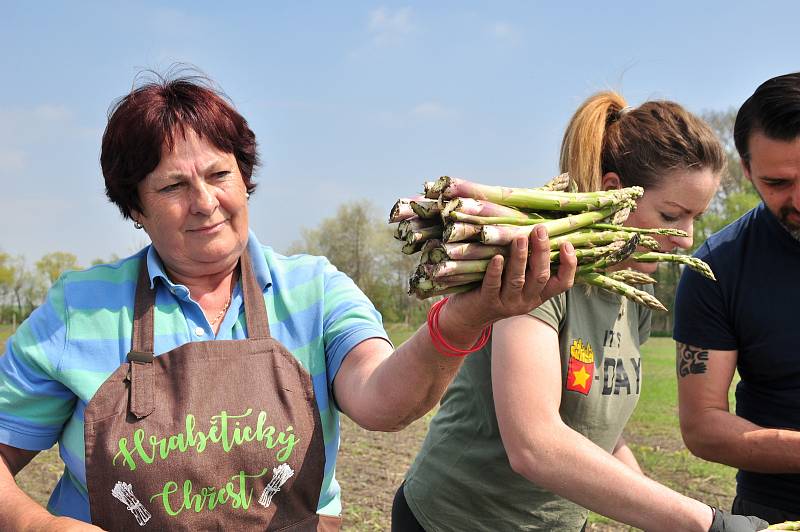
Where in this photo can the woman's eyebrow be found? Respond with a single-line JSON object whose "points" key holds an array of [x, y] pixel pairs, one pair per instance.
{"points": [[675, 204]]}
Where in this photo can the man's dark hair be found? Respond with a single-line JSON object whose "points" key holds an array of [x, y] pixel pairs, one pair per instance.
{"points": [[773, 109]]}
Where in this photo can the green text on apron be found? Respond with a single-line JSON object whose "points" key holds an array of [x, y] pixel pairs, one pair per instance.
{"points": [[217, 435]]}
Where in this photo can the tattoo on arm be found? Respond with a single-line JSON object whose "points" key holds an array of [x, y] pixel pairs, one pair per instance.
{"points": [[691, 360]]}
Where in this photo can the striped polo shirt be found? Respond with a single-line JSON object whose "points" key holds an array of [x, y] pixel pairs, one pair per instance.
{"points": [[67, 348]]}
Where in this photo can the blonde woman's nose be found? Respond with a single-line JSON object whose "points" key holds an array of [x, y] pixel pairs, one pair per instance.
{"points": [[682, 242]]}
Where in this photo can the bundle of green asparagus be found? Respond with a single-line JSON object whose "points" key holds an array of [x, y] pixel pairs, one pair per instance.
{"points": [[457, 226]]}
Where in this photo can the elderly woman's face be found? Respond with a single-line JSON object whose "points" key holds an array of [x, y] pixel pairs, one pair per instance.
{"points": [[195, 207]]}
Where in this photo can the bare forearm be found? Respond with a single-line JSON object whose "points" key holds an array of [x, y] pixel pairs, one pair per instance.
{"points": [[720, 436], [409, 383], [18, 511], [605, 486], [624, 454]]}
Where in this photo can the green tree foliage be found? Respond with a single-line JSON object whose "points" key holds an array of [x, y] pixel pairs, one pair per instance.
{"points": [[20, 289], [54, 264], [6, 272], [359, 242], [735, 195], [111, 259]]}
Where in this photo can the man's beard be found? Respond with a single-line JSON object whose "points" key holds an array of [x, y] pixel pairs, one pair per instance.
{"points": [[783, 217], [792, 228]]}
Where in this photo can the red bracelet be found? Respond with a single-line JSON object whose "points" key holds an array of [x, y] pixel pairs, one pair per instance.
{"points": [[441, 344]]}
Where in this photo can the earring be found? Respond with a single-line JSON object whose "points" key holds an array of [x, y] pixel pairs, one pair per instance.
{"points": [[137, 225]]}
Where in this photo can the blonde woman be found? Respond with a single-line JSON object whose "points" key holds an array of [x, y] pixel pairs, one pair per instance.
{"points": [[529, 435]]}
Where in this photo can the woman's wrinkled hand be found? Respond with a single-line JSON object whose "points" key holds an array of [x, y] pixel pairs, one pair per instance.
{"points": [[517, 285]]}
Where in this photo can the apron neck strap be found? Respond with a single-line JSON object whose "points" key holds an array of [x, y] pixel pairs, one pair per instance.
{"points": [[144, 303], [255, 312]]}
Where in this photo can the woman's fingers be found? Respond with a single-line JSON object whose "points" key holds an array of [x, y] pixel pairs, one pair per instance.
{"points": [[522, 281], [538, 272], [493, 278], [565, 278], [514, 275]]}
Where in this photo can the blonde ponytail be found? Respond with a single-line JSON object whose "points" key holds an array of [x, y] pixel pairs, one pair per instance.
{"points": [[582, 146]]}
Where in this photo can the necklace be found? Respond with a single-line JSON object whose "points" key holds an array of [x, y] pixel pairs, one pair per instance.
{"points": [[221, 312]]}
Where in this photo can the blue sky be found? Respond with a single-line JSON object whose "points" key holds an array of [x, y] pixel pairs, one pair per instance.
{"points": [[351, 100]]}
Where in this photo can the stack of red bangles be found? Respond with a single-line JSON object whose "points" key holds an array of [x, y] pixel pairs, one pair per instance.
{"points": [[441, 344]]}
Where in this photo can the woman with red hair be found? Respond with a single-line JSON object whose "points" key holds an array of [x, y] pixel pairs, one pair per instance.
{"points": [[197, 384]]}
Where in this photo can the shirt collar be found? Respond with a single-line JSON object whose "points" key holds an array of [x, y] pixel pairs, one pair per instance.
{"points": [[260, 266], [155, 268]]}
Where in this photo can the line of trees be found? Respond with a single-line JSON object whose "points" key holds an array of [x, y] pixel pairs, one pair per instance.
{"points": [[358, 241], [22, 289]]}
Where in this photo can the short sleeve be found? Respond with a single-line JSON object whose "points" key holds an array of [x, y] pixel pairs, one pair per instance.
{"points": [[349, 318], [34, 403], [552, 311], [701, 318]]}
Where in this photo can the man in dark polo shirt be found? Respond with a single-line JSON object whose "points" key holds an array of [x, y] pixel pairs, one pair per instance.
{"points": [[750, 319]]}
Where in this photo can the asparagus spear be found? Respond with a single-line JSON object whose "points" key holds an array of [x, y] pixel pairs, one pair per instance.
{"points": [[649, 242], [631, 277], [409, 248], [533, 199], [665, 231], [495, 220], [560, 182], [625, 250], [607, 283], [453, 267], [424, 233], [411, 225], [585, 238], [426, 208], [461, 232], [483, 208], [590, 255], [436, 251], [402, 210], [425, 292], [500, 235], [691, 262], [423, 283]]}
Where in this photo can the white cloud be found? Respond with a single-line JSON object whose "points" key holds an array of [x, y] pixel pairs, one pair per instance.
{"points": [[389, 26]]}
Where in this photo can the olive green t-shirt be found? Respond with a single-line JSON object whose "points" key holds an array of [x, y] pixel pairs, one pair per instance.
{"points": [[461, 479]]}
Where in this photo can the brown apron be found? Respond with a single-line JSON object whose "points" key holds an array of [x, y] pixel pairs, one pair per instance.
{"points": [[217, 435]]}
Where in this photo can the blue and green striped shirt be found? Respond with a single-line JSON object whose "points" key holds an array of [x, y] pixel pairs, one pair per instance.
{"points": [[66, 349]]}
